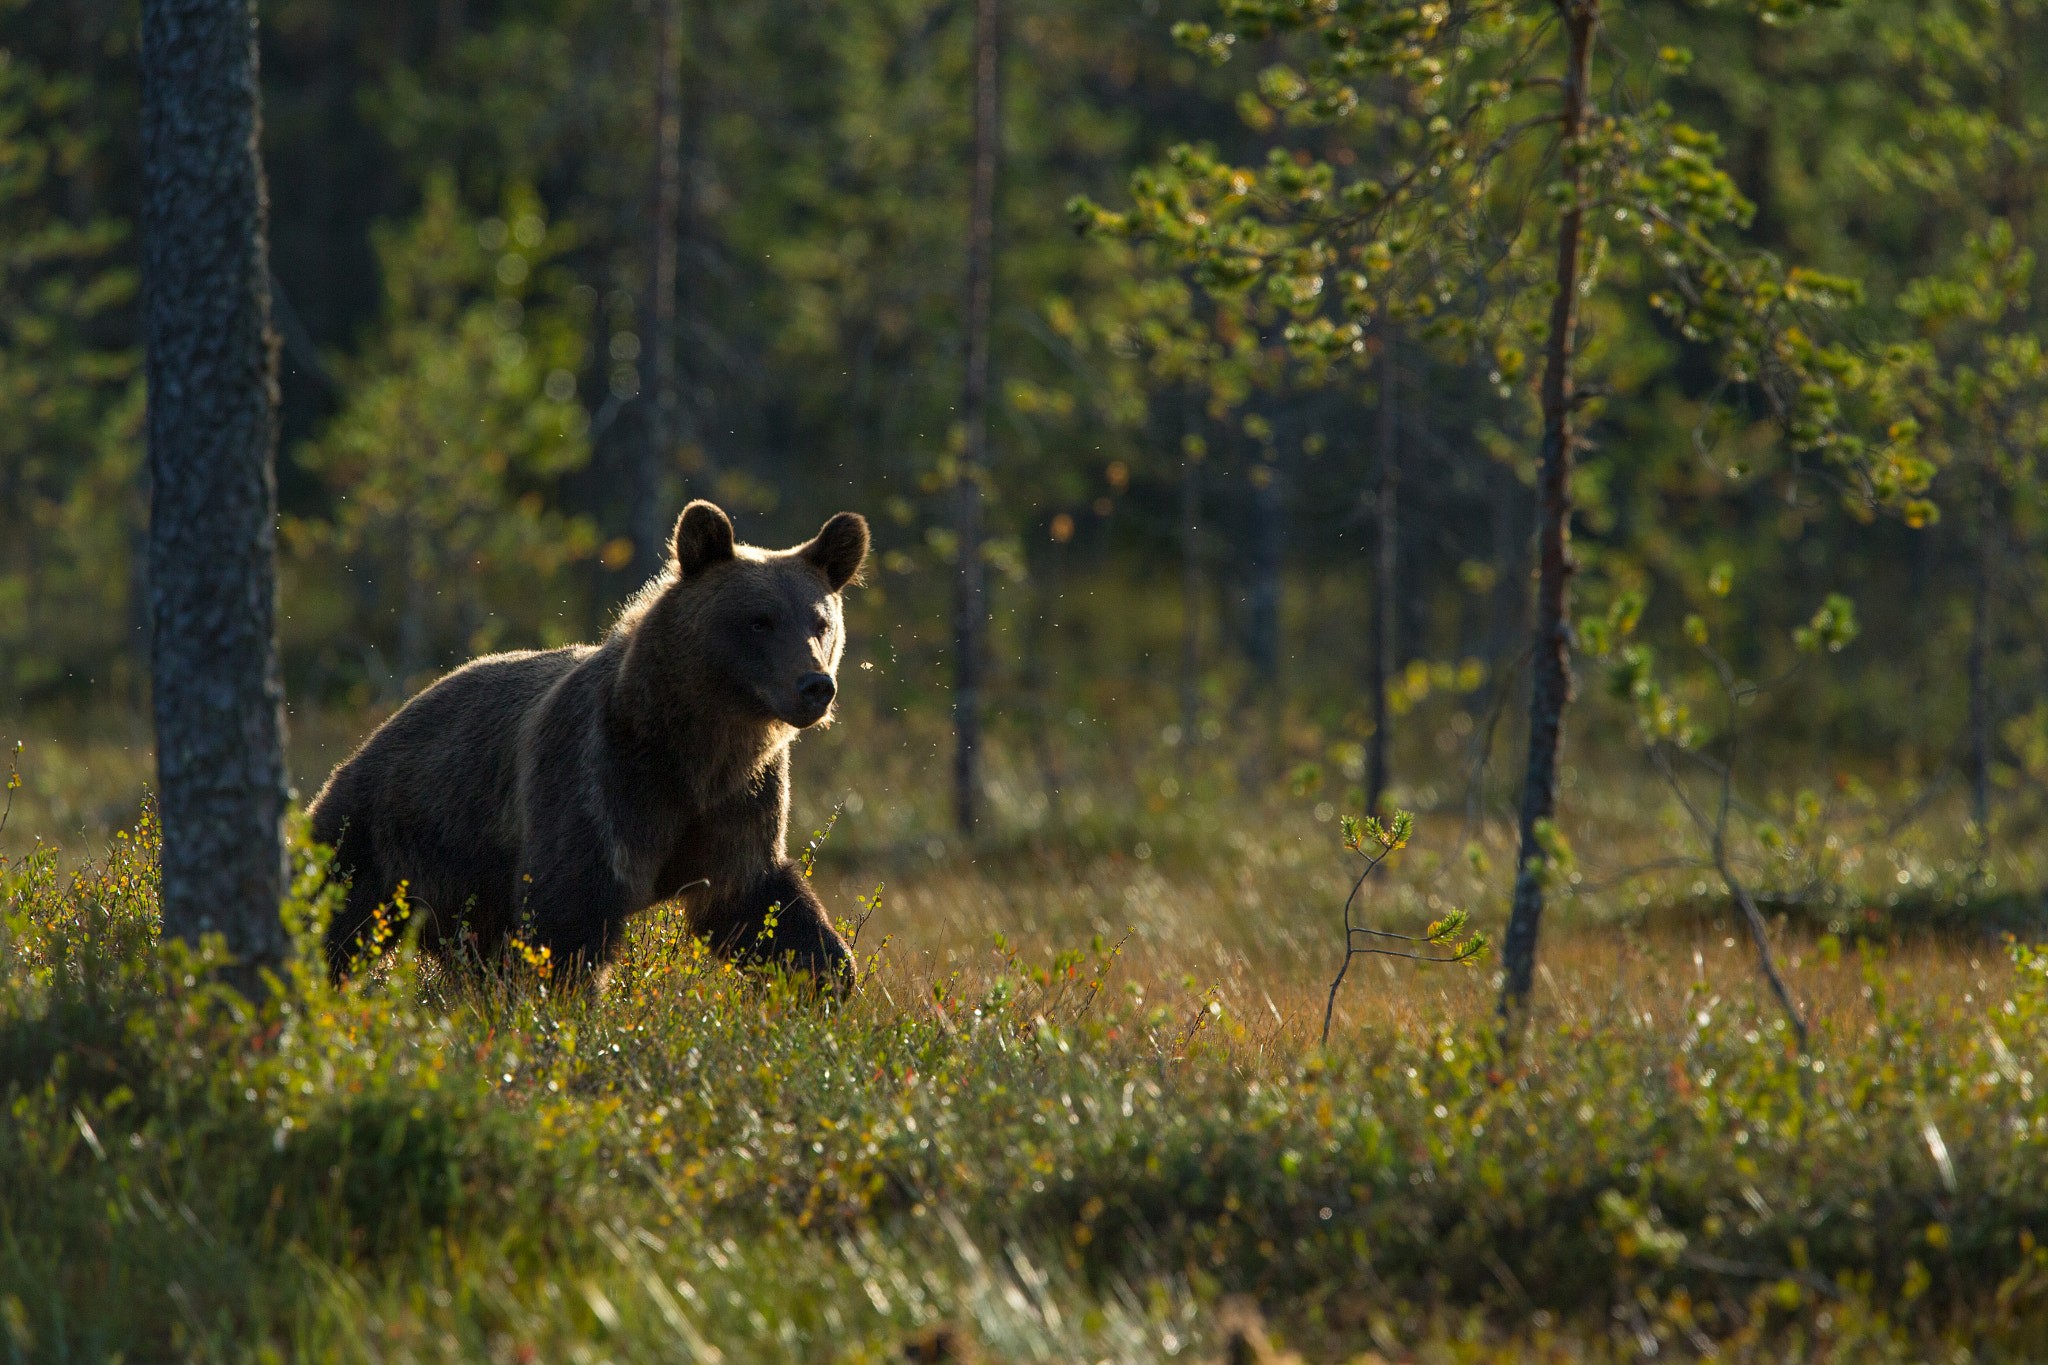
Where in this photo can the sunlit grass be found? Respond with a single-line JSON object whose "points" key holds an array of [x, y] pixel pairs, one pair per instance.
{"points": [[1074, 1104]]}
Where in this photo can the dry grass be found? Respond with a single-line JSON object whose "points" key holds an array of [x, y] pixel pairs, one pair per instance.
{"points": [[1222, 891], [1188, 939]]}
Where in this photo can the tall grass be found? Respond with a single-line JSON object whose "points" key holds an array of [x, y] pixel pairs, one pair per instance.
{"points": [[1075, 1103]]}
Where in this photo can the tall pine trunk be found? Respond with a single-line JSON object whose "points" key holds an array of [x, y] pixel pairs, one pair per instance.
{"points": [[970, 603], [1551, 666], [1386, 601], [652, 505], [211, 369]]}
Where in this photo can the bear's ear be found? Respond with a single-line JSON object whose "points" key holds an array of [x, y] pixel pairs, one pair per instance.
{"points": [[839, 548], [703, 538]]}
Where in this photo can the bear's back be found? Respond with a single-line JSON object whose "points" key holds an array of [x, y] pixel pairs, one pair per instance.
{"points": [[448, 760]]}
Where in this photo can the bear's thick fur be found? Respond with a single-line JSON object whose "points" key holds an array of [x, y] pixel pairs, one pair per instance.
{"points": [[553, 794]]}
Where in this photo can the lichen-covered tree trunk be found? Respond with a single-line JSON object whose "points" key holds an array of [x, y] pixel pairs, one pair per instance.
{"points": [[970, 604], [211, 367], [653, 513], [1551, 665]]}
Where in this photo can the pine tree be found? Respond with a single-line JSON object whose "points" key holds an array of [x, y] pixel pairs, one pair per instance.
{"points": [[1497, 174], [211, 366]]}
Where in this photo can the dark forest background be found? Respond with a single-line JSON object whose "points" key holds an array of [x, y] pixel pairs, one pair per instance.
{"points": [[462, 217]]}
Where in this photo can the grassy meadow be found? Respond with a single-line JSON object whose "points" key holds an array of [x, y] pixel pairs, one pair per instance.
{"points": [[1077, 1110]]}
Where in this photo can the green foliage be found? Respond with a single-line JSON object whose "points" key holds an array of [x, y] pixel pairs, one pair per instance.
{"points": [[1387, 838], [1832, 628], [461, 421], [1975, 379], [1447, 221], [71, 509]]}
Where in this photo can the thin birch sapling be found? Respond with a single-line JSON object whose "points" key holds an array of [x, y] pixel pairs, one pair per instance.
{"points": [[1671, 737]]}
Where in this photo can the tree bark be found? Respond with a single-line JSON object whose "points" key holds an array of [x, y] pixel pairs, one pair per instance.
{"points": [[1551, 686], [1262, 760], [1039, 673], [1386, 602], [970, 604], [138, 652], [1978, 663], [1190, 588], [652, 513], [211, 369], [1262, 578]]}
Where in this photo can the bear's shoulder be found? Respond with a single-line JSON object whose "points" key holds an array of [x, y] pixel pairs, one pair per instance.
{"points": [[517, 667], [495, 687]]}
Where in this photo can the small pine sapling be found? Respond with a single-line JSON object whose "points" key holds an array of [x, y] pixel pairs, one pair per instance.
{"points": [[1374, 842]]}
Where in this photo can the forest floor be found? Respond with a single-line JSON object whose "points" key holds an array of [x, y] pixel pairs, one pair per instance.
{"points": [[1077, 1111]]}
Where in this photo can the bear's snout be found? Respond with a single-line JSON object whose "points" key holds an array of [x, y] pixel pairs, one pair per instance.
{"points": [[815, 691]]}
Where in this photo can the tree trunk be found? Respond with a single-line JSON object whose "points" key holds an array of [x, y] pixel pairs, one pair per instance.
{"points": [[1262, 761], [652, 503], [1978, 662], [138, 652], [211, 369], [1262, 579], [1039, 673], [1386, 602], [970, 605], [1190, 589], [1551, 667]]}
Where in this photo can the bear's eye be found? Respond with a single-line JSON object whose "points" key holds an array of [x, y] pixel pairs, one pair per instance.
{"points": [[761, 625]]}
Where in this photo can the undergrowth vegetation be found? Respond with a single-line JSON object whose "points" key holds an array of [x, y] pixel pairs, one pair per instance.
{"points": [[1066, 1158]]}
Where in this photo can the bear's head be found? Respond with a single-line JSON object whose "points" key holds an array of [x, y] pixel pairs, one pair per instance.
{"points": [[765, 626]]}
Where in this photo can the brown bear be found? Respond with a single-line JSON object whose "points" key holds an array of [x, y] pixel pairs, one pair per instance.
{"points": [[553, 794]]}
